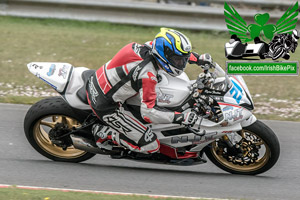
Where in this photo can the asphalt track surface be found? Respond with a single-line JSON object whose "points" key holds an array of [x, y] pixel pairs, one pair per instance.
{"points": [[20, 164]]}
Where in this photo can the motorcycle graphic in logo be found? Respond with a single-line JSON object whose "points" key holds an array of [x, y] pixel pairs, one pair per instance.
{"points": [[276, 41]]}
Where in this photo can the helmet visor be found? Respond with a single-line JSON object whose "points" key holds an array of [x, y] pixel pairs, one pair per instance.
{"points": [[177, 61]]}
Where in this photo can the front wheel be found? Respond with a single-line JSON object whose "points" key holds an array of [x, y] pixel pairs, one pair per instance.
{"points": [[44, 116], [255, 150]]}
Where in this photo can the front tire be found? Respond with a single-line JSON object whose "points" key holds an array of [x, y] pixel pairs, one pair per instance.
{"points": [[41, 118], [257, 135]]}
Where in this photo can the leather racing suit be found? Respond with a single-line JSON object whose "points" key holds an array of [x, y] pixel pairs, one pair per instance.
{"points": [[132, 71]]}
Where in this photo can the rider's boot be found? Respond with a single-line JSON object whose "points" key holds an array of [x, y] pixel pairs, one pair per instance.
{"points": [[104, 136]]}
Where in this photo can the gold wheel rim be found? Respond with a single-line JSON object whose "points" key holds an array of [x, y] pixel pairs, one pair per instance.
{"points": [[40, 134], [259, 163]]}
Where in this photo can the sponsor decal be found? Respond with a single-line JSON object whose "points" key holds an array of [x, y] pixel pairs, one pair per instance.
{"points": [[136, 72], [164, 98], [234, 115], [148, 136], [270, 40], [51, 70], [136, 49], [213, 92], [63, 71], [227, 132], [92, 90], [218, 98], [115, 120], [36, 66], [187, 48], [226, 108], [236, 92], [195, 139]]}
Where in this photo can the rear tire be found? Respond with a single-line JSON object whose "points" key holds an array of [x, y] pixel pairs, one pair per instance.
{"points": [[263, 164], [43, 116]]}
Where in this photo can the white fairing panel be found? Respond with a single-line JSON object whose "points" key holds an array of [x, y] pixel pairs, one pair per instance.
{"points": [[74, 85], [63, 77], [54, 74], [172, 91], [237, 93]]}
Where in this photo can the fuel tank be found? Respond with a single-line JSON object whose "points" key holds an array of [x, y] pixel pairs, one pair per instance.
{"points": [[171, 91]]}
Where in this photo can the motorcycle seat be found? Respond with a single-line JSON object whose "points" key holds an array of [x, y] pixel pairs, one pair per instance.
{"points": [[81, 93]]}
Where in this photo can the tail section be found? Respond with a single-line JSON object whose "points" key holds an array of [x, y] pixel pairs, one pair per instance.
{"points": [[57, 75]]}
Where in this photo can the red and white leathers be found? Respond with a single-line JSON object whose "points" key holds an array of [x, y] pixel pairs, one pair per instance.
{"points": [[132, 71]]}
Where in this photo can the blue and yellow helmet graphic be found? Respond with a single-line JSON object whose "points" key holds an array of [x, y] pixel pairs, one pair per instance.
{"points": [[172, 50]]}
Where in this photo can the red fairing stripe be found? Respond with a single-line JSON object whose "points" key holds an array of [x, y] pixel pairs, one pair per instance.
{"points": [[227, 104], [188, 155], [193, 58], [168, 151], [172, 153], [149, 94], [124, 56], [102, 80]]}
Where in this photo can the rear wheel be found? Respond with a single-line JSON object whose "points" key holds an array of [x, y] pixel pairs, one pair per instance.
{"points": [[43, 117], [256, 150]]}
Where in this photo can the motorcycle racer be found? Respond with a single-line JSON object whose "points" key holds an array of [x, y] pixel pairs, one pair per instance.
{"points": [[281, 44], [133, 71]]}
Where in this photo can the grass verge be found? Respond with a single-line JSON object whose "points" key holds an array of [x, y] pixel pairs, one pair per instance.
{"points": [[14, 193], [92, 44]]}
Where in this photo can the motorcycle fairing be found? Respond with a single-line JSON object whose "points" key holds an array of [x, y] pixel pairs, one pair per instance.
{"points": [[199, 142], [62, 77], [172, 92], [239, 94], [57, 75]]}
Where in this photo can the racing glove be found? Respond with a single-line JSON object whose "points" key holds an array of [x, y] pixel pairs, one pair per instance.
{"points": [[188, 119], [201, 60]]}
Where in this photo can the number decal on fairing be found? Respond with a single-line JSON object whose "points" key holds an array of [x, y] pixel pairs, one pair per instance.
{"points": [[236, 92]]}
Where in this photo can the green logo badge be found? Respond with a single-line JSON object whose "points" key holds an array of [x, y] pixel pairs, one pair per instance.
{"points": [[270, 40], [238, 26]]}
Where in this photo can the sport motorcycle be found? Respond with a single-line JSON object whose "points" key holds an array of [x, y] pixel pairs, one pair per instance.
{"points": [[226, 130]]}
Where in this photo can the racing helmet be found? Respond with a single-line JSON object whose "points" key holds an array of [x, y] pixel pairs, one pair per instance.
{"points": [[172, 50], [295, 35]]}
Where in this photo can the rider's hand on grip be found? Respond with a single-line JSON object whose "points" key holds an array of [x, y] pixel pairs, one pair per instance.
{"points": [[205, 60], [190, 118]]}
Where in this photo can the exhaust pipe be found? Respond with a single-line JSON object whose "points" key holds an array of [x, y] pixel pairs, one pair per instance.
{"points": [[86, 145]]}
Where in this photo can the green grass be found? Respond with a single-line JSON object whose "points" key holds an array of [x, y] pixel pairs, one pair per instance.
{"points": [[91, 44], [25, 194]]}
